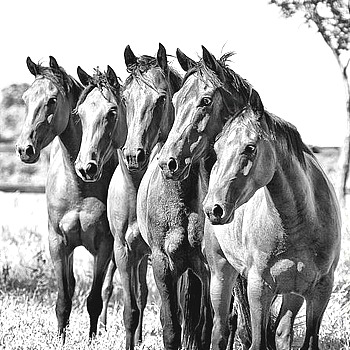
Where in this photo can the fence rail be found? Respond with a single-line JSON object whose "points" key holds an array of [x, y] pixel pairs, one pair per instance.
{"points": [[8, 146], [22, 188]]}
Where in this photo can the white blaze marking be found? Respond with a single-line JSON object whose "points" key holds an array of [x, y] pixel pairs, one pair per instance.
{"points": [[247, 168]]}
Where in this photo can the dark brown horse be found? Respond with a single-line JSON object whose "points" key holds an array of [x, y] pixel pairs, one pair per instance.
{"points": [[104, 132], [277, 221], [169, 214], [147, 94], [76, 209], [210, 94]]}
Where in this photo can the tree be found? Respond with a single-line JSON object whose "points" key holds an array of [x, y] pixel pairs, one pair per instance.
{"points": [[12, 95], [332, 20], [12, 111]]}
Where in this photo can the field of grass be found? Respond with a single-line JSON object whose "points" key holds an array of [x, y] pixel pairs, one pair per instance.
{"points": [[28, 290]]}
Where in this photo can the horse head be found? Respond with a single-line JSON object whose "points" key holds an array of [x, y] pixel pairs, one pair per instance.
{"points": [[102, 114], [49, 102], [210, 94], [246, 161], [147, 93]]}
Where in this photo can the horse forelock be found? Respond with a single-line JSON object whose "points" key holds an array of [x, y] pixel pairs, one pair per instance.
{"points": [[230, 81], [99, 81], [59, 77], [143, 65]]}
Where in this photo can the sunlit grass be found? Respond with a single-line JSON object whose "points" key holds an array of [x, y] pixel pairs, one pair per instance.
{"points": [[29, 322], [28, 291]]}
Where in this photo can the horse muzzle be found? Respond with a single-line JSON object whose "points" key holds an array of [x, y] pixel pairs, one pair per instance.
{"points": [[135, 160], [88, 172], [217, 214], [27, 153], [172, 169]]}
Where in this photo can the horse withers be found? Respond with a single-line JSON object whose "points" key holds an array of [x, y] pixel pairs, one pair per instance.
{"points": [[76, 210], [277, 220]]}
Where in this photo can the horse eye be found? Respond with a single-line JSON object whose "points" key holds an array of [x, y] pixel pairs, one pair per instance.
{"points": [[206, 101], [249, 150], [161, 99], [112, 113], [52, 101]]}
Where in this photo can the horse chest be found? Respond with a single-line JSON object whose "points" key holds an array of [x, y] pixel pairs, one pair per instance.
{"points": [[77, 219]]}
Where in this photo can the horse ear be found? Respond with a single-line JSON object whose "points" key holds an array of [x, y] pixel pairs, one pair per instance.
{"points": [[129, 57], [186, 63], [84, 77], [33, 68], [112, 78], [53, 63], [161, 58], [255, 102], [211, 62]]}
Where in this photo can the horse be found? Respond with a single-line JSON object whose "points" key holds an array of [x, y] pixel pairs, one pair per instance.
{"points": [[276, 217], [211, 93], [102, 138], [147, 93], [169, 213], [76, 210], [104, 130]]}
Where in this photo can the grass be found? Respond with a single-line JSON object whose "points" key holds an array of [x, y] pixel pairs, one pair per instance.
{"points": [[28, 287], [28, 290]]}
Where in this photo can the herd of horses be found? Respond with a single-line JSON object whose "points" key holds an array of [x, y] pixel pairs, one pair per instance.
{"points": [[191, 172]]}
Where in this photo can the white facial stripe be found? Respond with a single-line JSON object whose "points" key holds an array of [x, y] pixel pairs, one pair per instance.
{"points": [[247, 168]]}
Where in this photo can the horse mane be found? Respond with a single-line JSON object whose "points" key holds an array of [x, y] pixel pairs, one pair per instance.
{"points": [[145, 63], [287, 134], [99, 80], [233, 81]]}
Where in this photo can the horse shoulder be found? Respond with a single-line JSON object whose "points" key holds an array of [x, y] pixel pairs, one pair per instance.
{"points": [[142, 198]]}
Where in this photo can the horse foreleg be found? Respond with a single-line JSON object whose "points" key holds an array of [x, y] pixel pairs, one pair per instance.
{"points": [[291, 304], [221, 283], [222, 278], [260, 298], [167, 286], [316, 303], [127, 272], [94, 300], [205, 324], [107, 291], [142, 294], [62, 259]]}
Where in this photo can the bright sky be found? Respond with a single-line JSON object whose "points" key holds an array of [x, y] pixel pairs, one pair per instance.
{"points": [[288, 63]]}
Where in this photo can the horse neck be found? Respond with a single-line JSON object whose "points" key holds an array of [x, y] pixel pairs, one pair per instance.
{"points": [[291, 192], [70, 138], [195, 187]]}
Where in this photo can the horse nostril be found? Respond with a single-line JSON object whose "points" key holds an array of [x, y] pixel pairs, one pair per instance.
{"points": [[82, 172], [91, 169], [172, 165], [140, 155], [218, 211], [29, 151]]}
